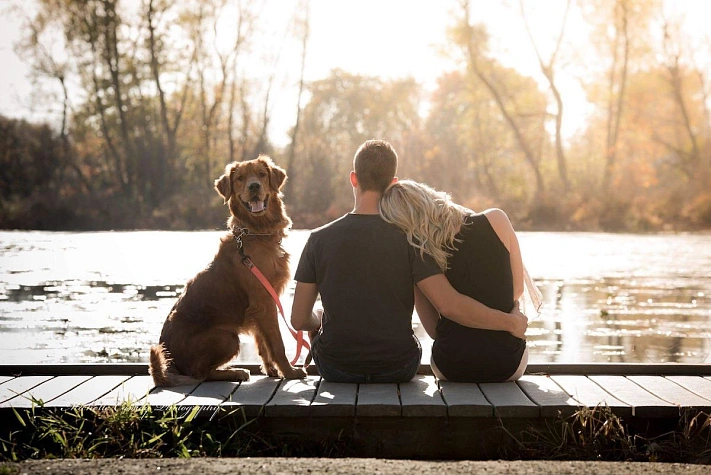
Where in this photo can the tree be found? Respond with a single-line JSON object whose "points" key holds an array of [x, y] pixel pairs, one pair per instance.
{"points": [[302, 24], [548, 69], [620, 35], [523, 114], [344, 110]]}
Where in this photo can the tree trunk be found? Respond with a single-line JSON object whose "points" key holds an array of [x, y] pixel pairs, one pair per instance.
{"points": [[616, 102], [291, 169]]}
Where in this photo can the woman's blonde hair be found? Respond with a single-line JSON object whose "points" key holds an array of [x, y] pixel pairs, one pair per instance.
{"points": [[428, 217]]}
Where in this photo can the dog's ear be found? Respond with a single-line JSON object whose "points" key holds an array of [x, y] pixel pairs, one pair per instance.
{"points": [[223, 185], [278, 177]]}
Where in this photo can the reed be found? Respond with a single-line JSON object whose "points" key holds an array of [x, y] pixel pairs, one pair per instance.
{"points": [[598, 434], [140, 431]]}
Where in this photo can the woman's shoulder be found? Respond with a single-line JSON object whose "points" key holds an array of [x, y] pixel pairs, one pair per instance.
{"points": [[500, 223], [496, 215], [493, 216]]}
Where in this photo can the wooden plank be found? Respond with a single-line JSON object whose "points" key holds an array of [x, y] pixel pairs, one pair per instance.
{"points": [[78, 369], [335, 400], [210, 394], [293, 398], [420, 397], [253, 395], [589, 394], [90, 369], [141, 369], [465, 400], [644, 404], [671, 392], [509, 401], [623, 369], [18, 386], [551, 398], [378, 400], [164, 397], [695, 384], [88, 391], [131, 391], [48, 391]]}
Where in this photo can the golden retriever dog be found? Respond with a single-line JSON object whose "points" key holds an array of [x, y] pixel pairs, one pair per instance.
{"points": [[202, 332]]}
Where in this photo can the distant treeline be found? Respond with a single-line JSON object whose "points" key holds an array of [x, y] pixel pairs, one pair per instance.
{"points": [[151, 108]]}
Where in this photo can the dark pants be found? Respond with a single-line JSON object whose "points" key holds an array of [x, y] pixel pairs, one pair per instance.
{"points": [[335, 375]]}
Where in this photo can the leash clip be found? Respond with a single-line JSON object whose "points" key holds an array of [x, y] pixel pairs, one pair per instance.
{"points": [[238, 239]]}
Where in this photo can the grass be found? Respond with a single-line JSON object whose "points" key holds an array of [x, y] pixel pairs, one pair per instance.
{"points": [[598, 434], [140, 431]]}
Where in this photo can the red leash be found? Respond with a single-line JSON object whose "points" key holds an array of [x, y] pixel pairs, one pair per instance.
{"points": [[298, 336]]}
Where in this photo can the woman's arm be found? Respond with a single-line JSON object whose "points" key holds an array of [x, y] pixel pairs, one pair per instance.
{"points": [[469, 312], [502, 226], [429, 316]]}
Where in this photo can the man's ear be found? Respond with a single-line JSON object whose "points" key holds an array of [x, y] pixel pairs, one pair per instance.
{"points": [[394, 180], [354, 180], [223, 185]]}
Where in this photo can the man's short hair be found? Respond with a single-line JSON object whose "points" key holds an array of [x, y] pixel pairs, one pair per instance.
{"points": [[375, 165]]}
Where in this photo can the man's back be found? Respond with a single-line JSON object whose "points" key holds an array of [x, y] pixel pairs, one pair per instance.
{"points": [[365, 271]]}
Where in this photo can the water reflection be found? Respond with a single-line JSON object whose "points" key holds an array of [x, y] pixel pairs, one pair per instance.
{"points": [[618, 320], [64, 298]]}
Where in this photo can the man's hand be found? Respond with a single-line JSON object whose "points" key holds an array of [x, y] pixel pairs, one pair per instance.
{"points": [[519, 322]]}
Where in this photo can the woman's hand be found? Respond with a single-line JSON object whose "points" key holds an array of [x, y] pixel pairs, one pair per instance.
{"points": [[519, 322]]}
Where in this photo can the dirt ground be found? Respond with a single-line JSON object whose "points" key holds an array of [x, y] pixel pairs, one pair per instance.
{"points": [[275, 466]]}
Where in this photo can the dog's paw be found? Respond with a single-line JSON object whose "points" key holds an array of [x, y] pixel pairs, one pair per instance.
{"points": [[238, 374], [229, 373], [295, 373], [270, 371], [241, 374]]}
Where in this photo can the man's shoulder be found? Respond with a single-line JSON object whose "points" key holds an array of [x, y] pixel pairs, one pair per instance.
{"points": [[352, 221], [331, 225], [352, 226]]}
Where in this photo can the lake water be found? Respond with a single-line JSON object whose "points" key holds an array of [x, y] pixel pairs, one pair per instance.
{"points": [[103, 296]]}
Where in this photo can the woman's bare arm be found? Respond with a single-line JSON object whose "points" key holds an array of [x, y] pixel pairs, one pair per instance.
{"points": [[469, 312], [429, 316], [504, 229]]}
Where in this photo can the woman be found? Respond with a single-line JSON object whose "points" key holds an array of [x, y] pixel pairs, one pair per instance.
{"points": [[480, 255]]}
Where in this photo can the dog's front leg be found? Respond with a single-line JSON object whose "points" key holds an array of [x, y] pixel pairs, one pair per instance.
{"points": [[270, 344]]}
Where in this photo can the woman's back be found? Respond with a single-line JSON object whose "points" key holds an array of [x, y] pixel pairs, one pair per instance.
{"points": [[481, 269]]}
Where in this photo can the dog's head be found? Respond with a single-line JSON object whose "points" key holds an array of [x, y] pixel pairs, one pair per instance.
{"points": [[251, 190]]}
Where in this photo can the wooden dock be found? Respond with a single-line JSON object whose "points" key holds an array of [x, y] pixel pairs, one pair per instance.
{"points": [[386, 419]]}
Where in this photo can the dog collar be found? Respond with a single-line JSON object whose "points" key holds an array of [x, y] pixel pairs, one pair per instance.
{"points": [[241, 234]]}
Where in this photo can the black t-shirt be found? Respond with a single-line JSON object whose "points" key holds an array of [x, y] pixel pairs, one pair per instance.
{"points": [[365, 271], [481, 269]]}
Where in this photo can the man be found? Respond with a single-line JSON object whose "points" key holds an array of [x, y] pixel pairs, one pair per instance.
{"points": [[366, 272]]}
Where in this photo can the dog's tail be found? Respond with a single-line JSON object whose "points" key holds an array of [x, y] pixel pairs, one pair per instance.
{"points": [[164, 374]]}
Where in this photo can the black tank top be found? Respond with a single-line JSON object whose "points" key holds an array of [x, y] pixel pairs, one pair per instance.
{"points": [[481, 269]]}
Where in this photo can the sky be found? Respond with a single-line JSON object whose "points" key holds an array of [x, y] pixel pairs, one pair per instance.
{"points": [[387, 38]]}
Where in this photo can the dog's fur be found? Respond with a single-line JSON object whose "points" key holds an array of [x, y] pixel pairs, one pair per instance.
{"points": [[201, 333]]}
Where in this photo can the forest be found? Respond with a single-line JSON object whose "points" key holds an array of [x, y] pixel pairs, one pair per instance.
{"points": [[150, 109]]}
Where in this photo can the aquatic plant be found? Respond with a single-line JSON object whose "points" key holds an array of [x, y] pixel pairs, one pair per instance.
{"points": [[596, 433]]}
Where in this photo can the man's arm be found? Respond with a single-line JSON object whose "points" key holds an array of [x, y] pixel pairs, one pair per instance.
{"points": [[302, 315], [469, 312]]}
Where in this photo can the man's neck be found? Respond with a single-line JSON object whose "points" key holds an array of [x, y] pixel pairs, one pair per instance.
{"points": [[367, 202]]}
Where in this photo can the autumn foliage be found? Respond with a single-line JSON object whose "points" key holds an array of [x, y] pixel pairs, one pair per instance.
{"points": [[149, 108]]}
